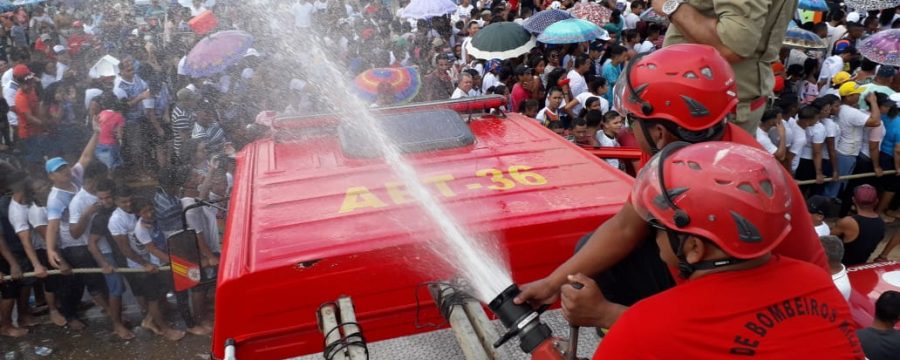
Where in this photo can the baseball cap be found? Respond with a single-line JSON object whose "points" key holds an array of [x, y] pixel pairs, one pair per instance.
{"points": [[54, 164], [563, 82], [522, 70], [895, 97], [22, 72], [886, 71], [850, 88], [818, 204], [604, 35], [840, 78], [865, 195], [59, 49]]}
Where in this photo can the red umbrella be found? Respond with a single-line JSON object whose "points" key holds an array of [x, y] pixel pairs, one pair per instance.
{"points": [[593, 12]]}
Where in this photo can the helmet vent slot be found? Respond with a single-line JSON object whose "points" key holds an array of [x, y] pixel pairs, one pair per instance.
{"points": [[723, 182], [690, 75], [707, 73], [746, 187], [747, 232], [694, 165], [766, 187]]}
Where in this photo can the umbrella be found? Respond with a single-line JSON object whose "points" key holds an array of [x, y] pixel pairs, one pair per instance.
{"points": [[404, 80], [868, 5], [25, 2], [798, 38], [215, 53], [426, 9], [813, 5], [593, 12], [883, 47], [571, 31], [503, 40], [540, 21], [105, 67], [651, 16]]}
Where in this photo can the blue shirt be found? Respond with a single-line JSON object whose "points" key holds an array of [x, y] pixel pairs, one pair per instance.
{"points": [[611, 74], [891, 134]]}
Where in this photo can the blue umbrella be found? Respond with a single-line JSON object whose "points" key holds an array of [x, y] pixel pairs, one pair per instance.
{"points": [[813, 5], [572, 31], [426, 9], [540, 21]]}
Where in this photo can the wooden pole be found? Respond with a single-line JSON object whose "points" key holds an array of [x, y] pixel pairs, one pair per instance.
{"points": [[847, 177], [88, 271]]}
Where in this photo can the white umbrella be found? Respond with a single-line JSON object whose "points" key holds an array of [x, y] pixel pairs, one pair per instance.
{"points": [[106, 66]]}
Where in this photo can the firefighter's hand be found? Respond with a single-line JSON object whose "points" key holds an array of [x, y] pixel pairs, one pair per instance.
{"points": [[537, 293], [587, 306]]}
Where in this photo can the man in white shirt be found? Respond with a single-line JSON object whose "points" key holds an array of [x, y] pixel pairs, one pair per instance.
{"points": [[634, 17], [835, 64], [851, 122], [303, 11], [805, 118], [577, 83], [834, 251], [770, 122], [836, 28], [464, 87]]}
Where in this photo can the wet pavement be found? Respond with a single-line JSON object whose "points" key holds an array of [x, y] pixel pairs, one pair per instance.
{"points": [[98, 342]]}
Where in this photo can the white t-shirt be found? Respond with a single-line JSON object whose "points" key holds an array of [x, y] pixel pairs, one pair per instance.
{"points": [[832, 130], [122, 223], [542, 115], [9, 94], [7, 77], [58, 208], [458, 93], [831, 66], [488, 81], [644, 47], [18, 218], [814, 135], [842, 282], [823, 230], [798, 141], [197, 10], [79, 205], [606, 141], [303, 14], [464, 12], [144, 236], [851, 121], [763, 139], [872, 134], [203, 221], [37, 217], [576, 83], [583, 98], [631, 21]]}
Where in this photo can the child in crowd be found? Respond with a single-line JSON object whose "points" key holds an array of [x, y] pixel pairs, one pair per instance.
{"points": [[818, 205], [606, 136], [550, 112]]}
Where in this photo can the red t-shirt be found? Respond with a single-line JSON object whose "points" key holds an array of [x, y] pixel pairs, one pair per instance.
{"points": [[518, 96], [785, 309], [802, 242], [27, 103]]}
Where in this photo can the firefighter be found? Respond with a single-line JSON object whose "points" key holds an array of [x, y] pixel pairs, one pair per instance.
{"points": [[735, 299], [683, 92]]}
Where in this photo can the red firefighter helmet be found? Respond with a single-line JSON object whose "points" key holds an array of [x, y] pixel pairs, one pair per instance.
{"points": [[734, 195], [690, 85]]}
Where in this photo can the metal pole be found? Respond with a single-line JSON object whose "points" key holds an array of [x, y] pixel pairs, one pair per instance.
{"points": [[351, 330], [847, 177], [87, 271]]}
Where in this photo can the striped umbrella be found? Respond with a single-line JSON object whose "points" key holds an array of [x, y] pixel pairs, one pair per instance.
{"points": [[503, 40], [405, 82], [540, 21], [571, 31]]}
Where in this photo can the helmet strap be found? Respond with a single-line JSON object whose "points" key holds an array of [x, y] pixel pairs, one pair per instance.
{"points": [[686, 269]]}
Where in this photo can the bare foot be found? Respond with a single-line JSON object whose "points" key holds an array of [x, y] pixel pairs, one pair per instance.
{"points": [[76, 325], [13, 331], [199, 330], [57, 318], [148, 324], [123, 333], [172, 334]]}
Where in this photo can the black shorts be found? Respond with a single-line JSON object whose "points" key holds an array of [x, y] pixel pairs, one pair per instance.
{"points": [[8, 289], [52, 283], [889, 183], [150, 286], [80, 257]]}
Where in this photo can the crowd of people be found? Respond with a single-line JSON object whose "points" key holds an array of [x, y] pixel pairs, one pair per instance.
{"points": [[97, 104]]}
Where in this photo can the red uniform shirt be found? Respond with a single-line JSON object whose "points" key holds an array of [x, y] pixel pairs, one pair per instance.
{"points": [[785, 309], [802, 243]]}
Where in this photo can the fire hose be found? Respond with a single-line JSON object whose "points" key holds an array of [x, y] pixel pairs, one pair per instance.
{"points": [[32, 274]]}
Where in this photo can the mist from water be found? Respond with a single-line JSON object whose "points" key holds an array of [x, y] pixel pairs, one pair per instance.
{"points": [[482, 267]]}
